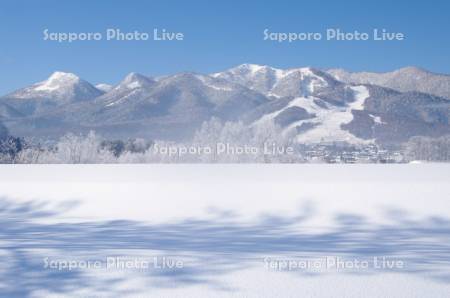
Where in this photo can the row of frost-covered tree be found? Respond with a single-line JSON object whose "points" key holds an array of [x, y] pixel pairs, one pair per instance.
{"points": [[94, 149], [238, 144]]}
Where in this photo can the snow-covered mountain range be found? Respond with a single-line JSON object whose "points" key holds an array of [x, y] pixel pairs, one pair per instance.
{"points": [[311, 104]]}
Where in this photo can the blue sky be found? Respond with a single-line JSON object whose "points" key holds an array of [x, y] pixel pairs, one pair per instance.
{"points": [[218, 35]]}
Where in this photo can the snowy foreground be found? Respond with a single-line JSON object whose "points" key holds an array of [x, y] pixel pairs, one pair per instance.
{"points": [[225, 230]]}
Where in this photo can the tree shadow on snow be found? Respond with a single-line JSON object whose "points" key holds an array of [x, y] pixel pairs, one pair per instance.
{"points": [[211, 247]]}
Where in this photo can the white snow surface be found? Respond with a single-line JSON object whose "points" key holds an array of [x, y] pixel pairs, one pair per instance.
{"points": [[227, 225]]}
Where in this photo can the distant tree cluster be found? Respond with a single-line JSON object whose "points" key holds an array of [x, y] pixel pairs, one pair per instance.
{"points": [[10, 146], [428, 149], [79, 149]]}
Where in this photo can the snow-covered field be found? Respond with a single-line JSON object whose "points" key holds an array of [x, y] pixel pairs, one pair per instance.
{"points": [[225, 230]]}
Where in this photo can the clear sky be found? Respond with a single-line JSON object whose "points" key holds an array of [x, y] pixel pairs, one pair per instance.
{"points": [[218, 35]]}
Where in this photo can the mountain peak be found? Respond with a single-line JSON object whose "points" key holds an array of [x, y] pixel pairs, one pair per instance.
{"points": [[250, 66], [136, 80], [104, 87], [251, 69], [134, 76], [57, 79], [412, 69], [273, 81], [61, 86], [58, 75]]}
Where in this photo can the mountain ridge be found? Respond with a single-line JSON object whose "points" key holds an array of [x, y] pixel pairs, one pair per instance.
{"points": [[316, 105]]}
